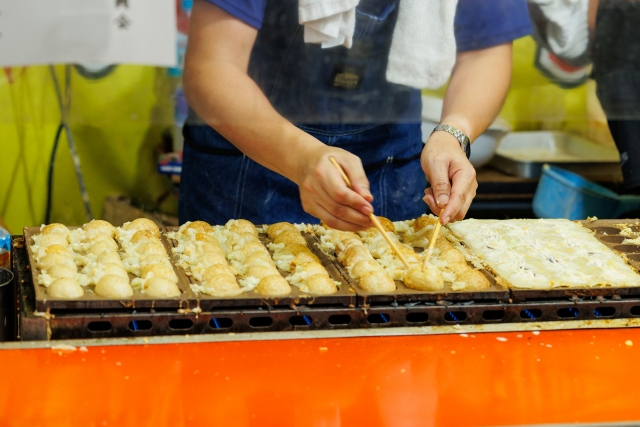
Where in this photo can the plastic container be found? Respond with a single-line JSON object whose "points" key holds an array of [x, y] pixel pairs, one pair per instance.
{"points": [[7, 306], [564, 194], [5, 248]]}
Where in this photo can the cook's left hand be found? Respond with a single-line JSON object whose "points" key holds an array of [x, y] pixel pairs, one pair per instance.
{"points": [[452, 177]]}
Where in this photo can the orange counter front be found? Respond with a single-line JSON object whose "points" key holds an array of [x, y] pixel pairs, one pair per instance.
{"points": [[474, 379]]}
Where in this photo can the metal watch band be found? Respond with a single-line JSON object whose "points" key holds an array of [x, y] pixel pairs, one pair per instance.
{"points": [[465, 143]]}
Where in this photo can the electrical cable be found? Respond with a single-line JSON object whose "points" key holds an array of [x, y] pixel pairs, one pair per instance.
{"points": [[47, 214], [65, 106]]}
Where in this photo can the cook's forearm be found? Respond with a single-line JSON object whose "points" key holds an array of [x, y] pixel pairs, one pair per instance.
{"points": [[477, 89], [228, 100]]}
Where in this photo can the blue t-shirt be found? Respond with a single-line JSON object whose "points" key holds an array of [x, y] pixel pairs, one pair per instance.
{"points": [[310, 85], [478, 23]]}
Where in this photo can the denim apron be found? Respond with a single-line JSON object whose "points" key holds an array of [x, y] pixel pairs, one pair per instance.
{"points": [[339, 96]]}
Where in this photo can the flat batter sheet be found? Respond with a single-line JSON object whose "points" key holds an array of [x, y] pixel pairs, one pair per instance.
{"points": [[545, 253]]}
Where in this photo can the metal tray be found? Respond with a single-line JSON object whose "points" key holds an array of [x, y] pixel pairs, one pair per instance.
{"points": [[523, 154], [91, 301], [607, 233], [404, 295], [345, 297], [148, 322]]}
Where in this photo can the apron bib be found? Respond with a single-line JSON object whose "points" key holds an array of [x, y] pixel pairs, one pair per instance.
{"points": [[341, 97]]}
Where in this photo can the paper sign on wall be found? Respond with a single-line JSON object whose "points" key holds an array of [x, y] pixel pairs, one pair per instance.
{"points": [[73, 31]]}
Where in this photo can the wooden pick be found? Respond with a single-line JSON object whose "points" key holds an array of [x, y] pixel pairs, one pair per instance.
{"points": [[373, 218], [432, 243]]}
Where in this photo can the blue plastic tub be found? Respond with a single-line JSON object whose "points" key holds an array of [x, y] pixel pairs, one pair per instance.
{"points": [[563, 194]]}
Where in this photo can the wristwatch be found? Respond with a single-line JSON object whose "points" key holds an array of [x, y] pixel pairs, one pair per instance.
{"points": [[465, 143]]}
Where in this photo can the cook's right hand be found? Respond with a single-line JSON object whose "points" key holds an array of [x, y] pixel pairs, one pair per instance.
{"points": [[325, 195]]}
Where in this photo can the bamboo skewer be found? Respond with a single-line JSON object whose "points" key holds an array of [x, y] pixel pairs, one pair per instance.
{"points": [[432, 243], [373, 218]]}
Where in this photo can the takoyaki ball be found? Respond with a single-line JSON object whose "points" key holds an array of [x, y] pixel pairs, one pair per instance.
{"points": [[312, 269], [289, 237], [98, 226], [52, 249], [303, 258], [377, 282], [221, 285], [204, 237], [53, 239], [294, 249], [409, 254], [346, 243], [452, 256], [442, 243], [274, 285], [258, 258], [151, 248], [362, 268], [274, 229], [387, 224], [260, 271], [60, 271], [65, 288], [424, 278], [205, 247], [143, 236], [112, 286], [142, 224], [355, 254], [51, 260], [109, 257], [238, 240], [98, 248], [422, 222], [160, 287], [159, 270], [55, 228], [200, 227], [212, 258], [91, 240], [154, 259], [321, 284], [114, 269], [217, 270], [474, 279], [241, 226], [253, 247]]}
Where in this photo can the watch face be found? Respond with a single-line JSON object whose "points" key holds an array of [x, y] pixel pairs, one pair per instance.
{"points": [[468, 150]]}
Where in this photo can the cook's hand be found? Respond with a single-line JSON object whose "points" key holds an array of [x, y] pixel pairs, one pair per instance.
{"points": [[452, 177], [325, 195]]}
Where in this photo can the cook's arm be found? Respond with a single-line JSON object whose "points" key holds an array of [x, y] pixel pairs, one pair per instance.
{"points": [[476, 92], [218, 88]]}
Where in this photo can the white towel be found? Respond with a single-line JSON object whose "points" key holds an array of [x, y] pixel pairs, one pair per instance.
{"points": [[423, 49], [566, 31], [328, 22]]}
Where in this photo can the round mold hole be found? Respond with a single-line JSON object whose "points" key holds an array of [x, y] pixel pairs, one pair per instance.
{"points": [[300, 321], [612, 239], [627, 249], [339, 319], [140, 325], [607, 230], [530, 314], [455, 316], [220, 323], [260, 322], [418, 317], [99, 326], [180, 324], [634, 257]]}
